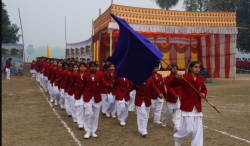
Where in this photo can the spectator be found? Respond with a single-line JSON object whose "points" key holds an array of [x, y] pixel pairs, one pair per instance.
{"points": [[189, 62]]}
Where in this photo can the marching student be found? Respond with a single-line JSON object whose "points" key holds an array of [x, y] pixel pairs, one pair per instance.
{"points": [[57, 74], [32, 68], [143, 103], [97, 68], [7, 68], [92, 99], [46, 73], [53, 89], [104, 94], [156, 101], [109, 77], [67, 89], [102, 66], [37, 69], [122, 100], [50, 68], [132, 101], [76, 83], [62, 81], [41, 70], [173, 101], [191, 110], [71, 94]]}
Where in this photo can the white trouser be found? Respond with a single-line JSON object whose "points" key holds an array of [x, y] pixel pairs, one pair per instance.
{"points": [[48, 86], [157, 105], [104, 102], [62, 97], [79, 104], [142, 118], [122, 110], [45, 82], [176, 116], [132, 100], [67, 101], [33, 73], [7, 73], [71, 106], [190, 126], [37, 76], [111, 104], [91, 117], [56, 93], [41, 79]]}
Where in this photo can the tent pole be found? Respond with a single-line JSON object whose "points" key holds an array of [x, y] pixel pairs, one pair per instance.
{"points": [[23, 40], [110, 44]]}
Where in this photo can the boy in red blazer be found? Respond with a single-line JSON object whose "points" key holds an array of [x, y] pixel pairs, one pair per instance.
{"points": [[172, 106], [32, 68], [122, 100], [191, 111], [109, 77], [41, 70], [7, 68], [67, 90], [37, 69], [62, 81], [156, 101], [45, 73], [143, 103], [92, 99]]}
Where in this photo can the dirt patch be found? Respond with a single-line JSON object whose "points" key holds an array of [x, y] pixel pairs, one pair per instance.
{"points": [[27, 119]]}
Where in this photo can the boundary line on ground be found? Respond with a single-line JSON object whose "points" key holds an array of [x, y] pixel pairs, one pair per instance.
{"points": [[65, 125], [228, 134]]}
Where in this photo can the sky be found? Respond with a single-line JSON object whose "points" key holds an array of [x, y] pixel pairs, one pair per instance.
{"points": [[43, 20]]}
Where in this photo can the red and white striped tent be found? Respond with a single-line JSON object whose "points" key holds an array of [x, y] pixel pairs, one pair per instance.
{"points": [[209, 37]]}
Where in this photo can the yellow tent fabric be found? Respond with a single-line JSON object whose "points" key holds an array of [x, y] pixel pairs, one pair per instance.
{"points": [[47, 53]]}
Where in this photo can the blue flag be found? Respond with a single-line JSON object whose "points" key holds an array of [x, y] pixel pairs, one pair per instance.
{"points": [[134, 56]]}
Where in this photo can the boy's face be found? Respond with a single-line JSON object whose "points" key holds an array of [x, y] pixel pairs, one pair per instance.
{"points": [[156, 70], [88, 61], [92, 68], [174, 72], [98, 68], [112, 67], [103, 63]]}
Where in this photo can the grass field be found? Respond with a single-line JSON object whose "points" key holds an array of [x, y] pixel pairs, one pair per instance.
{"points": [[28, 119]]}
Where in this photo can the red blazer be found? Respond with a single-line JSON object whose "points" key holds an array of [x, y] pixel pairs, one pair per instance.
{"points": [[37, 66], [76, 83], [8, 64], [92, 88], [121, 87], [102, 88], [32, 66], [143, 92], [87, 66], [245, 63], [109, 80], [190, 97], [50, 70], [58, 73], [158, 83], [101, 68], [45, 69], [171, 91], [67, 89], [53, 75], [41, 66], [62, 79]]}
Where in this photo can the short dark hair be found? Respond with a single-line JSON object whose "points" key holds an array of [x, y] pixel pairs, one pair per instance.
{"points": [[174, 66]]}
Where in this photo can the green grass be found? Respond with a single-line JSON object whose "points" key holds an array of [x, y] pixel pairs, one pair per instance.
{"points": [[211, 84]]}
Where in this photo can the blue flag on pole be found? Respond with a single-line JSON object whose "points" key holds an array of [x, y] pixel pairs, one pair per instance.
{"points": [[134, 56]]}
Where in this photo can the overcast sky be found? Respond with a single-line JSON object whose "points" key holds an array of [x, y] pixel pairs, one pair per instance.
{"points": [[43, 20]]}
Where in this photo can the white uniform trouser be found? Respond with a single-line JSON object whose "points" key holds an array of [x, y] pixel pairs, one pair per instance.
{"points": [[176, 116], [91, 115], [54, 93], [157, 105], [190, 126], [67, 101], [41, 79], [122, 110], [48, 86], [111, 104], [79, 104], [45, 82], [132, 100], [71, 106], [62, 97], [142, 117], [37, 76], [7, 73], [104, 102]]}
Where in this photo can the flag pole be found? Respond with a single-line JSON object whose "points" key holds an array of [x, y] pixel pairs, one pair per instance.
{"points": [[195, 89], [65, 36], [23, 40]]}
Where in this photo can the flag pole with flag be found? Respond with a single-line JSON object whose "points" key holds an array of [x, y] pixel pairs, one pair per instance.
{"points": [[134, 56], [47, 53]]}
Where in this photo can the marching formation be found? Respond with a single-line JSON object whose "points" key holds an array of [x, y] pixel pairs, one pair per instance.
{"points": [[83, 89]]}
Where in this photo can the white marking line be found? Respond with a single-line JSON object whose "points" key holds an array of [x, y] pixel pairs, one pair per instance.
{"points": [[239, 95], [65, 125], [228, 134]]}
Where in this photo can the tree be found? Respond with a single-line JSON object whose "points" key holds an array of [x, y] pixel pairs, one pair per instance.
{"points": [[30, 50], [166, 4], [243, 20], [9, 31], [195, 5]]}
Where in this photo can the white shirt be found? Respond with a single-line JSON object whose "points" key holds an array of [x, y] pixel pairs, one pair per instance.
{"points": [[193, 113]]}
